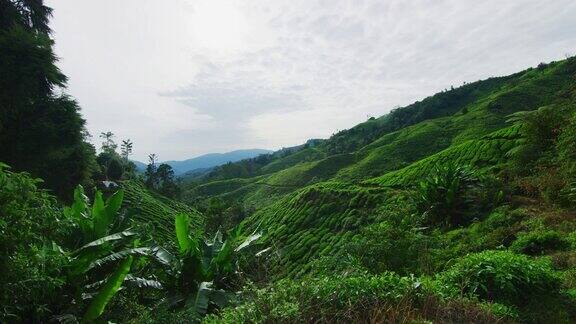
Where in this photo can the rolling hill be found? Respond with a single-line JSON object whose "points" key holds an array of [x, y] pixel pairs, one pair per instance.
{"points": [[313, 200], [468, 183]]}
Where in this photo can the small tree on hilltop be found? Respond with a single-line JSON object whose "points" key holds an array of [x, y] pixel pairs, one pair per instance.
{"points": [[126, 149], [150, 174], [108, 145]]}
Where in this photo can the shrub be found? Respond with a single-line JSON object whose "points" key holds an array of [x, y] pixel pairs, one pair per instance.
{"points": [[32, 267], [539, 242], [453, 195], [391, 246], [540, 131], [385, 298], [571, 238], [501, 276]]}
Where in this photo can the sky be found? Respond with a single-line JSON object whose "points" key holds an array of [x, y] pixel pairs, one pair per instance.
{"points": [[187, 77]]}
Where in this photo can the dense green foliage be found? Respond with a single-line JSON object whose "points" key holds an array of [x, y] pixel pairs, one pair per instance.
{"points": [[32, 268], [454, 196], [413, 195], [356, 299], [41, 130], [502, 276], [457, 208]]}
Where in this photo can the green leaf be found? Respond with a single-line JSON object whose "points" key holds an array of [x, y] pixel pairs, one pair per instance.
{"points": [[202, 298], [105, 294], [163, 257], [99, 215], [206, 295], [107, 239], [142, 282], [113, 204], [118, 256], [79, 212], [80, 263], [182, 223]]}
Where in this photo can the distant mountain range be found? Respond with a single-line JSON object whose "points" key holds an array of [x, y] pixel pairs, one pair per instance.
{"points": [[207, 161]]}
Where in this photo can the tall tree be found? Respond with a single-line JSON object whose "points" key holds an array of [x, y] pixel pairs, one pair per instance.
{"points": [[41, 130], [150, 174], [32, 14], [126, 149], [108, 145], [166, 182]]}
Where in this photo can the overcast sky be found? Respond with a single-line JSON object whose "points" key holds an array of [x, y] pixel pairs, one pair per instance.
{"points": [[186, 77]]}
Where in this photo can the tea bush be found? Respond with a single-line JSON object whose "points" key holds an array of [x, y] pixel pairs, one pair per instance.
{"points": [[539, 242], [501, 276]]}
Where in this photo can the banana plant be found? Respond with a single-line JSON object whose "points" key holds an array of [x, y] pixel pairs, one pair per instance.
{"points": [[106, 252], [200, 269], [443, 195]]}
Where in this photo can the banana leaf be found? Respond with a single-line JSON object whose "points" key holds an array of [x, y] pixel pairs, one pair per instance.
{"points": [[113, 284]]}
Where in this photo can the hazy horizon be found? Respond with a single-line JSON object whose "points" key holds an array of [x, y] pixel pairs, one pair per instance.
{"points": [[186, 78]]}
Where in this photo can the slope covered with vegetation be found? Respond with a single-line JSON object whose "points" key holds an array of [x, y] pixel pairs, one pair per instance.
{"points": [[458, 208], [384, 196]]}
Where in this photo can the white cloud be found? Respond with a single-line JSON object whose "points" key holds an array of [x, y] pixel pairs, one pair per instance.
{"points": [[182, 78]]}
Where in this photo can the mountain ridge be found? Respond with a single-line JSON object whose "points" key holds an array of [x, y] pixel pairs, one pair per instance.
{"points": [[207, 161]]}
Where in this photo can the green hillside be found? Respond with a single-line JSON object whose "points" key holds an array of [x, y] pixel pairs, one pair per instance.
{"points": [[412, 133], [458, 208], [350, 204], [154, 213]]}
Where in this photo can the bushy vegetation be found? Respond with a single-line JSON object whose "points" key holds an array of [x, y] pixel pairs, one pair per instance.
{"points": [[501, 276], [454, 195], [539, 242], [457, 208], [510, 279], [32, 265], [356, 299]]}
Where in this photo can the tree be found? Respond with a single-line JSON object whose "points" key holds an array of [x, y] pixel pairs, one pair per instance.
{"points": [[540, 130], [32, 271], [41, 130], [165, 173], [108, 145], [126, 149], [31, 14], [128, 166], [167, 185], [150, 174], [115, 169]]}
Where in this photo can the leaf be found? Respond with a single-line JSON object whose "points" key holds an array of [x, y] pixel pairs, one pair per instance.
{"points": [[206, 295], [163, 257], [202, 298], [217, 242], [248, 241], [113, 284], [182, 224], [106, 239], [261, 252], [83, 259], [222, 261], [99, 215], [142, 282], [118, 256], [113, 204], [158, 254], [79, 212]]}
